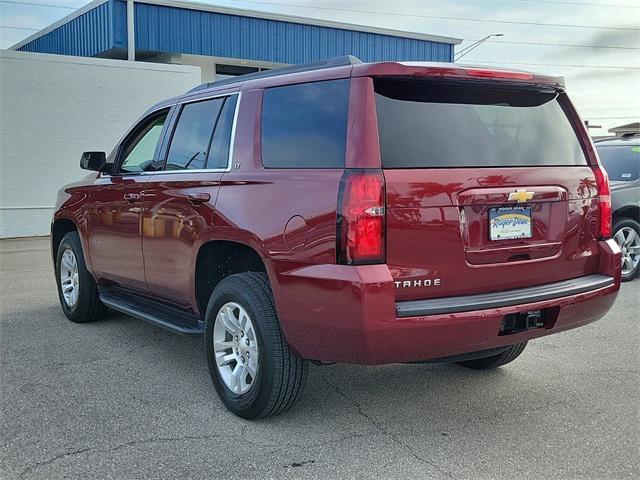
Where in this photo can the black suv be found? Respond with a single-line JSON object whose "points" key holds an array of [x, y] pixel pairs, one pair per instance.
{"points": [[621, 160]]}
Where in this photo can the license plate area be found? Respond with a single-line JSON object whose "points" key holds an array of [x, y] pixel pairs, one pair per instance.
{"points": [[509, 223]]}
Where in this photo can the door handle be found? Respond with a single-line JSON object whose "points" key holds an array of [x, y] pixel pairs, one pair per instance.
{"points": [[132, 197], [198, 198]]}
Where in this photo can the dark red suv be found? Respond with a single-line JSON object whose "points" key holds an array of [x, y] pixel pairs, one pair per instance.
{"points": [[345, 212]]}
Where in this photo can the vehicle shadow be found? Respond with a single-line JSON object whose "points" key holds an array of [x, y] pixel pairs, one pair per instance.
{"points": [[129, 364]]}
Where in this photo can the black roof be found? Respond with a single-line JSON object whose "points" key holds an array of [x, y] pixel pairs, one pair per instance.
{"points": [[304, 67]]}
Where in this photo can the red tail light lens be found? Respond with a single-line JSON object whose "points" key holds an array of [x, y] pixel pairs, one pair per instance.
{"points": [[361, 218], [604, 201], [476, 72]]}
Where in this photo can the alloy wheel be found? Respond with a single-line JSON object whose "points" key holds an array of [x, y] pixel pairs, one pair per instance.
{"points": [[236, 348], [69, 280], [629, 241]]}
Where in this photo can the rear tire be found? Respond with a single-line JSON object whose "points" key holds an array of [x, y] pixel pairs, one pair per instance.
{"points": [[262, 377], [508, 356], [77, 289], [623, 229]]}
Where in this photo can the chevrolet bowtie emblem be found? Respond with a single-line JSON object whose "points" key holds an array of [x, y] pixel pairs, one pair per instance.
{"points": [[520, 196]]}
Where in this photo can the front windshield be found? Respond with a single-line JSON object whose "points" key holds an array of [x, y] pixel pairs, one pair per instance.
{"points": [[622, 162]]}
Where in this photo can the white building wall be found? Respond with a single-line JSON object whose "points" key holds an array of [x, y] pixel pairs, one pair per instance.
{"points": [[52, 108]]}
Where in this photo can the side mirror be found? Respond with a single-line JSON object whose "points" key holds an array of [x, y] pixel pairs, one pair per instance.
{"points": [[95, 161]]}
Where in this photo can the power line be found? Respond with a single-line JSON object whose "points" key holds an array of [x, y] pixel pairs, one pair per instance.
{"points": [[14, 2], [511, 42], [441, 17], [410, 15], [558, 65], [418, 15], [586, 4], [557, 2], [21, 28]]}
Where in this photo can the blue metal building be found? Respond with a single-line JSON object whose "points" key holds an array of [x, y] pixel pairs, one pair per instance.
{"points": [[236, 40]]}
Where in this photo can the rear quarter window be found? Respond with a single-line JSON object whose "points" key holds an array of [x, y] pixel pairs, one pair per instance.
{"points": [[435, 124], [305, 125]]}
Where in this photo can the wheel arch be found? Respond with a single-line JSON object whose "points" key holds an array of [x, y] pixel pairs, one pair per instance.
{"points": [[217, 259], [627, 211], [59, 228]]}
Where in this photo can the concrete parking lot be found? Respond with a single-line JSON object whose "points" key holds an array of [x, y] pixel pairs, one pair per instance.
{"points": [[122, 399]]}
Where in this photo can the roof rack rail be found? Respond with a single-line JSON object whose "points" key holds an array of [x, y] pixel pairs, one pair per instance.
{"points": [[305, 67]]}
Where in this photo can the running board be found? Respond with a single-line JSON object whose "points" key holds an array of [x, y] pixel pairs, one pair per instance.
{"points": [[152, 312]]}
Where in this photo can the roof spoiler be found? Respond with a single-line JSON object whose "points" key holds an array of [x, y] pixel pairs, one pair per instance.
{"points": [[455, 71], [305, 67]]}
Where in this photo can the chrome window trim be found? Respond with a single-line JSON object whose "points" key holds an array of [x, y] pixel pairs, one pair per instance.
{"points": [[193, 99], [193, 170], [181, 104], [232, 145]]}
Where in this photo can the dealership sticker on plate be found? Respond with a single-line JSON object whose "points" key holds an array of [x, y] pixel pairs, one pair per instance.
{"points": [[508, 223]]}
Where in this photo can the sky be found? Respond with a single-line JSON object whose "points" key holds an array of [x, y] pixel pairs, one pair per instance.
{"points": [[594, 44]]}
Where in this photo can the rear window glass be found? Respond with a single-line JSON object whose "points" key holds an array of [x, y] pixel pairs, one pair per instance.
{"points": [[305, 125], [429, 124], [621, 162]]}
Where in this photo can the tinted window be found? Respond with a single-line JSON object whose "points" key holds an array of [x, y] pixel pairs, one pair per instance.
{"points": [[305, 126], [219, 151], [428, 124], [621, 162], [138, 150], [192, 136]]}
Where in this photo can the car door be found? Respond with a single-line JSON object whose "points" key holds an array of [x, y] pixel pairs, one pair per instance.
{"points": [[115, 207], [179, 201]]}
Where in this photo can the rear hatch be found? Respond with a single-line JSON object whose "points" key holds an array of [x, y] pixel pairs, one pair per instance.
{"points": [[487, 187]]}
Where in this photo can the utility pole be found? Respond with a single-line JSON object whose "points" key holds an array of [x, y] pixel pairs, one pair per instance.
{"points": [[131, 32]]}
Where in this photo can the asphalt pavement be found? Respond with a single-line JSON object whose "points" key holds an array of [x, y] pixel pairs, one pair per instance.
{"points": [[122, 399]]}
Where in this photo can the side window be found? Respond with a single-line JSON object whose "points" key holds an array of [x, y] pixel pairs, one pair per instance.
{"points": [[221, 143], [305, 125], [139, 149], [192, 136]]}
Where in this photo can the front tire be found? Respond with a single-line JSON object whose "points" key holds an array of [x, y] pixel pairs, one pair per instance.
{"points": [[627, 236], [495, 361], [77, 289], [251, 365]]}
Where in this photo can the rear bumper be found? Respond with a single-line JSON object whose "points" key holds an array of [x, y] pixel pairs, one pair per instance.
{"points": [[335, 313], [518, 296]]}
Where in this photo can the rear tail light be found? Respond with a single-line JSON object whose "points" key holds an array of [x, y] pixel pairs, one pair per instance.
{"points": [[360, 233], [604, 201]]}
